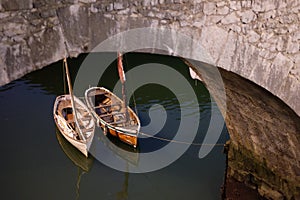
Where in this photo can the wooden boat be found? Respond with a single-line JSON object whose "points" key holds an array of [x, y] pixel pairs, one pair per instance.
{"points": [[111, 115], [73, 119], [64, 119]]}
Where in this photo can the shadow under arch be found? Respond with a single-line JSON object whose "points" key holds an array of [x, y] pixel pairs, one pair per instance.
{"points": [[156, 39]]}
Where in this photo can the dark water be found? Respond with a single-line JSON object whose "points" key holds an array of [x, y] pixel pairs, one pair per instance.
{"points": [[35, 166]]}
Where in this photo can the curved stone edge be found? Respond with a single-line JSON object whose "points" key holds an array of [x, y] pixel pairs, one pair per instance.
{"points": [[258, 40], [264, 133]]}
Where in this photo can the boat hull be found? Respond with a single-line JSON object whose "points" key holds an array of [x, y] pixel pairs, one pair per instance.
{"points": [[70, 134], [82, 147], [124, 137], [128, 130]]}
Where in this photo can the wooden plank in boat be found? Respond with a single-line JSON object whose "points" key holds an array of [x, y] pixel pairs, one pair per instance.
{"points": [[119, 122], [109, 105], [93, 93], [111, 114]]}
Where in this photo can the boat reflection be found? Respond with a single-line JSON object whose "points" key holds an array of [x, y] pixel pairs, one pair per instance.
{"points": [[74, 154], [120, 148], [83, 163], [123, 194]]}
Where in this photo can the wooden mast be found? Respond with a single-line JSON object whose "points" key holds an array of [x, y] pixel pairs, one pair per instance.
{"points": [[122, 79], [72, 100]]}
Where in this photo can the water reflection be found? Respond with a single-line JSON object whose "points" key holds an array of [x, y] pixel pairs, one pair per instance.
{"points": [[35, 164], [113, 144], [83, 163], [123, 194]]}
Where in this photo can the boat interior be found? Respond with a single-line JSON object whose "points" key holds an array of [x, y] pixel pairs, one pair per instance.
{"points": [[85, 120], [110, 110]]}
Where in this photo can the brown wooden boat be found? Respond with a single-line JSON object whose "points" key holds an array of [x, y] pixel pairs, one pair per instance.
{"points": [[120, 149], [111, 115]]}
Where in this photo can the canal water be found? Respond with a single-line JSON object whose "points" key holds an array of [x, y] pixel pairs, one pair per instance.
{"points": [[37, 163]]}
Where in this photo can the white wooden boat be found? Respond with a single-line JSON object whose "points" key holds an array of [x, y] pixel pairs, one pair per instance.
{"points": [[64, 119], [74, 119]]}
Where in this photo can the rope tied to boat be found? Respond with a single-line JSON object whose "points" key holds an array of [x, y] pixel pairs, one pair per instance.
{"points": [[181, 142]]}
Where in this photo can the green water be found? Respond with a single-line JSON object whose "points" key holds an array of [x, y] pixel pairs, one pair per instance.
{"points": [[35, 166]]}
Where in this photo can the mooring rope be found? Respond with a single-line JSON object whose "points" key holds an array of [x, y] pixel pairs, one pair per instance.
{"points": [[181, 142]]}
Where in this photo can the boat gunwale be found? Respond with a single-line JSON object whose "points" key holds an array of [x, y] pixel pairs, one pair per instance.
{"points": [[122, 130], [57, 117]]}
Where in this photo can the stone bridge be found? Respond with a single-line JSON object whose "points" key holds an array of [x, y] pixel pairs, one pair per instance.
{"points": [[252, 42]]}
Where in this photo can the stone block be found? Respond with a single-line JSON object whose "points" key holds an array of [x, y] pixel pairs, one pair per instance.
{"points": [[221, 4], [212, 19], [266, 191], [222, 10], [228, 54], [235, 5], [13, 29], [151, 14], [161, 1], [281, 44], [253, 36], [295, 71], [124, 11], [230, 19], [154, 2], [292, 47], [93, 9], [281, 66], [110, 7], [209, 8], [44, 3], [48, 13], [87, 1], [146, 3], [263, 6], [248, 16], [246, 4], [213, 39], [118, 6], [10, 5]]}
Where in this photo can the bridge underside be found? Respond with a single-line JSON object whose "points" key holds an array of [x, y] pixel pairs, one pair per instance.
{"points": [[255, 40], [265, 140]]}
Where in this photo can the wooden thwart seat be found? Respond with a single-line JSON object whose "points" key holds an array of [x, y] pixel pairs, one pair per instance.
{"points": [[118, 122], [112, 114], [92, 94], [88, 130], [108, 105]]}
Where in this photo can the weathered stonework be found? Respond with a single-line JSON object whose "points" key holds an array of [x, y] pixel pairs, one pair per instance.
{"points": [[256, 39], [264, 149]]}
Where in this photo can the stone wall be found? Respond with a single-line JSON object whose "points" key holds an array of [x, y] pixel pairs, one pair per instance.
{"points": [[256, 39], [265, 139]]}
